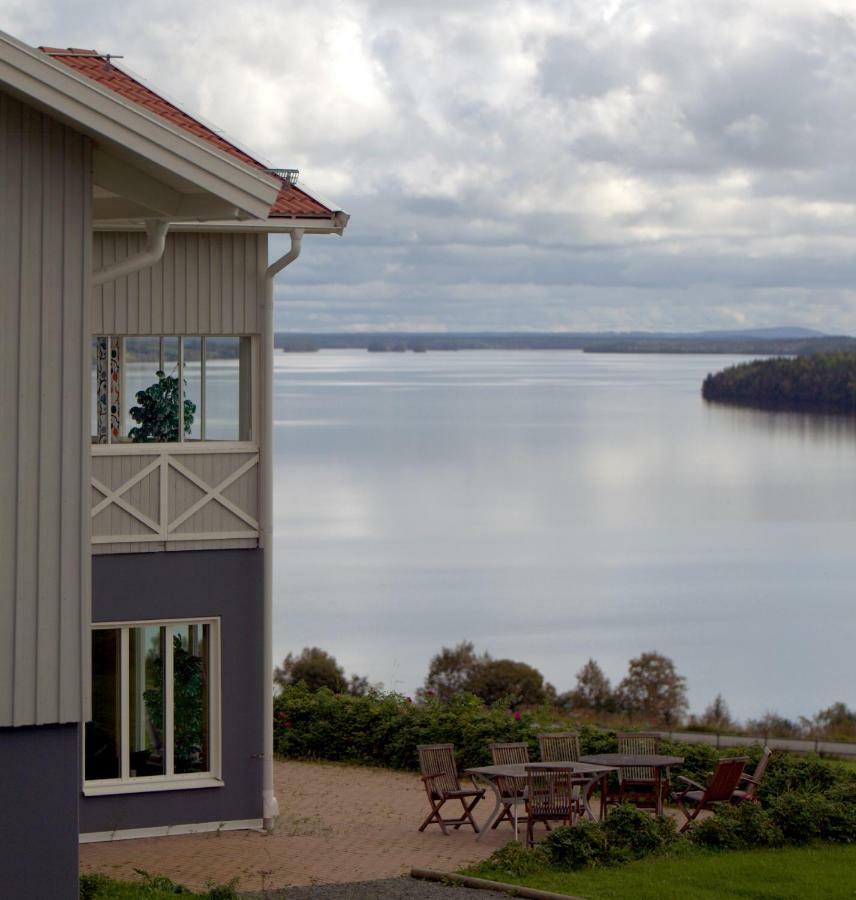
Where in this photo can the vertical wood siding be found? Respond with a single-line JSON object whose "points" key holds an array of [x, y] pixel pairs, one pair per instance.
{"points": [[45, 265], [204, 284]]}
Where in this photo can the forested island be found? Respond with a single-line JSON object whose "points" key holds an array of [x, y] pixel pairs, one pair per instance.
{"points": [[821, 382]]}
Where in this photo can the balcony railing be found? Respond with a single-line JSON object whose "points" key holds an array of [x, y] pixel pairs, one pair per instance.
{"points": [[174, 496]]}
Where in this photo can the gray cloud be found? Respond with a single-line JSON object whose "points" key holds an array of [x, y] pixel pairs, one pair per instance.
{"points": [[533, 164]]}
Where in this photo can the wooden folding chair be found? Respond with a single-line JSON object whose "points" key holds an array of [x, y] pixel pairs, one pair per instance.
{"points": [[552, 795], [719, 789], [440, 777], [638, 784], [511, 789], [753, 781], [559, 746]]}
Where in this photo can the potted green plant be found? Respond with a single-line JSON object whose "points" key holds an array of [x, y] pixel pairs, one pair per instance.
{"points": [[157, 412]]}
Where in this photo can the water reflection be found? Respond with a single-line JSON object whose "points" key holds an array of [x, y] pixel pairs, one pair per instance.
{"points": [[556, 506], [816, 427]]}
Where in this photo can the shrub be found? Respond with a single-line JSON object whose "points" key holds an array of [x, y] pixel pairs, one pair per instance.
{"points": [[811, 774], [597, 740], [797, 815], [715, 833], [385, 729], [515, 860], [577, 847], [632, 833], [93, 885], [737, 827]]}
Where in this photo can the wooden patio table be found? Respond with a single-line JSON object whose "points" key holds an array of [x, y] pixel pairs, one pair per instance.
{"points": [[656, 761], [595, 772]]}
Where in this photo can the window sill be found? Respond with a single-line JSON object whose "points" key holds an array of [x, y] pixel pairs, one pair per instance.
{"points": [[146, 785]]}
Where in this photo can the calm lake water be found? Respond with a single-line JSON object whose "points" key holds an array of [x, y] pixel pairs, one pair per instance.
{"points": [[556, 506]]}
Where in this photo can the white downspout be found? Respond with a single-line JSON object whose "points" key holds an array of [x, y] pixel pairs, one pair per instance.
{"points": [[156, 230], [270, 807]]}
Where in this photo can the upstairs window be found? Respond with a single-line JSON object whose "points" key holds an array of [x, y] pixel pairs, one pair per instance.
{"points": [[167, 389]]}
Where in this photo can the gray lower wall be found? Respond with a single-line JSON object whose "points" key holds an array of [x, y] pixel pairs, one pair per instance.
{"points": [[193, 584], [39, 779]]}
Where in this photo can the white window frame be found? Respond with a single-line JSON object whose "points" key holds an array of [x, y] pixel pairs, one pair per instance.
{"points": [[126, 784]]}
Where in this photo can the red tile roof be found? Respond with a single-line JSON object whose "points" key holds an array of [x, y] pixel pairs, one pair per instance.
{"points": [[291, 201]]}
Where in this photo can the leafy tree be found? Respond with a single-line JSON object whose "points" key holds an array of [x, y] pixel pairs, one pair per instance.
{"points": [[318, 669], [315, 668], [157, 413], [593, 690], [653, 688], [504, 679], [771, 724], [358, 686], [837, 721], [452, 670], [716, 716]]}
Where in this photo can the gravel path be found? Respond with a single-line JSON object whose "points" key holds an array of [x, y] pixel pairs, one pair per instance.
{"points": [[387, 889]]}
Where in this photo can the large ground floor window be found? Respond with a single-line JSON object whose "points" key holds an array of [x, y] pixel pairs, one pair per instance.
{"points": [[155, 707]]}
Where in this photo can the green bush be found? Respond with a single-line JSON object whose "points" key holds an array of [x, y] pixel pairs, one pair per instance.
{"points": [[516, 861], [633, 833], [737, 827], [804, 817], [95, 886], [810, 774], [577, 847], [796, 814], [715, 833], [385, 729]]}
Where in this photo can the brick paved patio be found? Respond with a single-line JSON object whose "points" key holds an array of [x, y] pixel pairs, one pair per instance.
{"points": [[337, 824]]}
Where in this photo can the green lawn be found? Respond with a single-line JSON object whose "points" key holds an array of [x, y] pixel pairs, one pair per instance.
{"points": [[821, 871]]}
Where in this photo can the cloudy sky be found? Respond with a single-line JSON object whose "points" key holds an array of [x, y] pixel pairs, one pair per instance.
{"points": [[654, 164]]}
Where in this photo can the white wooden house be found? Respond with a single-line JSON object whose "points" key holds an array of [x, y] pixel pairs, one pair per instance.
{"points": [[135, 609]]}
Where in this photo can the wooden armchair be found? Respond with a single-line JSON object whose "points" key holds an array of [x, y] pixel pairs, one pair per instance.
{"points": [[719, 789], [440, 777], [750, 791], [512, 790], [559, 747], [638, 784], [552, 795]]}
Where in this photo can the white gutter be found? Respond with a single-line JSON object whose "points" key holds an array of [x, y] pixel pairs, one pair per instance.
{"points": [[270, 807], [335, 224], [156, 230]]}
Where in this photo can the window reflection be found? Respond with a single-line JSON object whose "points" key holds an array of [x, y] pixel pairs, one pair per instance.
{"points": [[146, 700], [190, 677]]}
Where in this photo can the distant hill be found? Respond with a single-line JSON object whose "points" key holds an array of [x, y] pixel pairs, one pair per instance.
{"points": [[769, 334], [782, 341]]}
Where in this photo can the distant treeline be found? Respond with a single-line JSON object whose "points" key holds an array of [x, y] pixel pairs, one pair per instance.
{"points": [[147, 349], [823, 382], [751, 343]]}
